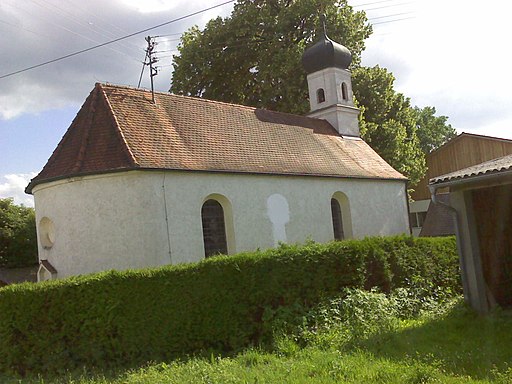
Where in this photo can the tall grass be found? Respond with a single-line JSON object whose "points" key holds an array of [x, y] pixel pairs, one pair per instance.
{"points": [[361, 337]]}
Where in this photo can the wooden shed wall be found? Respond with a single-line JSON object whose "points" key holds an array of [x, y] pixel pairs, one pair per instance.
{"points": [[463, 151], [493, 218]]}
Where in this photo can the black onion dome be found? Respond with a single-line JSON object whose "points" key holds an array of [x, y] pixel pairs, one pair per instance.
{"points": [[326, 54]]}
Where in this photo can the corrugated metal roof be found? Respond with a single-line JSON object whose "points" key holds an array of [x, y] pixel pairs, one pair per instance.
{"points": [[499, 165]]}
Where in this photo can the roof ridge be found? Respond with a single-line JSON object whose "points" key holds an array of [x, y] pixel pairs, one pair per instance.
{"points": [[466, 134], [131, 88], [85, 139], [118, 129], [201, 99], [60, 145], [485, 136]]}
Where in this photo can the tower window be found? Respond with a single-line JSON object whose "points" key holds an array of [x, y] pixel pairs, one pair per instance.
{"points": [[320, 95], [214, 228], [344, 91]]}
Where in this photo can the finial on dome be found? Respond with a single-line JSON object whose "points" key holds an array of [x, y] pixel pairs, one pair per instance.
{"points": [[325, 54], [323, 19]]}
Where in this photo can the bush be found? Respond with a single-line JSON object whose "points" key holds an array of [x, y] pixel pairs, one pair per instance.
{"points": [[18, 243], [222, 304], [355, 315]]}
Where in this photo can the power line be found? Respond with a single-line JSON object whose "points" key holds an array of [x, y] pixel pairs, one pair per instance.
{"points": [[115, 40], [73, 32], [392, 21], [393, 15], [170, 34], [372, 3], [87, 10], [97, 29], [388, 6]]}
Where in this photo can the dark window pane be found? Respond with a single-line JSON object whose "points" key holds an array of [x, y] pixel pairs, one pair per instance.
{"points": [[337, 221], [320, 95], [413, 219], [344, 91], [421, 218], [214, 229]]}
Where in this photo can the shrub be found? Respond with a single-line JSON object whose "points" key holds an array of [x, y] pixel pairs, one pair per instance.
{"points": [[18, 243], [221, 304]]}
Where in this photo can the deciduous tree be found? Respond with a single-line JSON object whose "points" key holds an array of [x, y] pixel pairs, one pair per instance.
{"points": [[253, 57], [18, 243], [388, 123], [433, 131]]}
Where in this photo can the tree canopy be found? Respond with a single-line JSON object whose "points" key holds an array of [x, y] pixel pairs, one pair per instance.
{"points": [[253, 57], [18, 242]]}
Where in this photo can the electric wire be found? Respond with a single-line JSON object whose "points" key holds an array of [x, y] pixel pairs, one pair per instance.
{"points": [[77, 20], [393, 15], [60, 26], [388, 6], [114, 40], [372, 3], [86, 10], [393, 21], [178, 34]]}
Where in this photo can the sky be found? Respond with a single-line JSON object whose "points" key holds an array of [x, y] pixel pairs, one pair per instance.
{"points": [[449, 54]]}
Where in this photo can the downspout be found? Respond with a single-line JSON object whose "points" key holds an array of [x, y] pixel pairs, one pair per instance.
{"points": [[408, 206], [455, 216], [167, 219]]}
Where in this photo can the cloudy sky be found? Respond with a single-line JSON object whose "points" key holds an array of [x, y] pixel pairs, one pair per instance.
{"points": [[450, 54]]}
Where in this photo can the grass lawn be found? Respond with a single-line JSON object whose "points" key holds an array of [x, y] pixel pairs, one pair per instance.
{"points": [[456, 346]]}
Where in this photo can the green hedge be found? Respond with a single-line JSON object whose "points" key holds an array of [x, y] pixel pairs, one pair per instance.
{"points": [[221, 304]]}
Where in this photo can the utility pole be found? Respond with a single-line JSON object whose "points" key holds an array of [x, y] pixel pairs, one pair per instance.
{"points": [[153, 71]]}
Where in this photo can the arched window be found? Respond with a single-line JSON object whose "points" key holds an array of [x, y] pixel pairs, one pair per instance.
{"points": [[320, 95], [344, 91], [214, 228], [341, 216], [337, 220]]}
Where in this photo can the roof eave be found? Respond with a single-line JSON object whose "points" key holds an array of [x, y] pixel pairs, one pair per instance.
{"points": [[469, 179], [33, 183]]}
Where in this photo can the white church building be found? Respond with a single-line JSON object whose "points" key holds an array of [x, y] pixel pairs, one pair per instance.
{"points": [[135, 183]]}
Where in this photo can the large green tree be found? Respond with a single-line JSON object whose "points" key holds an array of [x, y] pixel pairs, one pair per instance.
{"points": [[433, 131], [253, 57], [18, 243], [387, 121]]}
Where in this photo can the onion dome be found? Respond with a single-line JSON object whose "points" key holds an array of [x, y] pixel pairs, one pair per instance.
{"points": [[326, 54]]}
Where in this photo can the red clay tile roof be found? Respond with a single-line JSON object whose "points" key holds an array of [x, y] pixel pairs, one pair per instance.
{"points": [[119, 128]]}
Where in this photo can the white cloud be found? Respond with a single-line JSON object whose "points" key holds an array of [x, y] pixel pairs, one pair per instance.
{"points": [[63, 28], [451, 55], [149, 6], [14, 186]]}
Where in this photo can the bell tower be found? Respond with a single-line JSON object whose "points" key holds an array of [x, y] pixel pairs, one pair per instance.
{"points": [[330, 85]]}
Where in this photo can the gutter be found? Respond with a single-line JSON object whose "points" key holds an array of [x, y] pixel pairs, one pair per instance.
{"points": [[467, 179]]}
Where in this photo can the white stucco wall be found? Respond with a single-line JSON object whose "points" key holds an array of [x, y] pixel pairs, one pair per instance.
{"points": [[142, 218], [338, 111]]}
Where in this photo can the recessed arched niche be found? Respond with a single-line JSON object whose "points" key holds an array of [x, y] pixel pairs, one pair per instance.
{"points": [[46, 233]]}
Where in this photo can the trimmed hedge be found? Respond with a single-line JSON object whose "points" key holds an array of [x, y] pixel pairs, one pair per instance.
{"points": [[222, 304]]}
